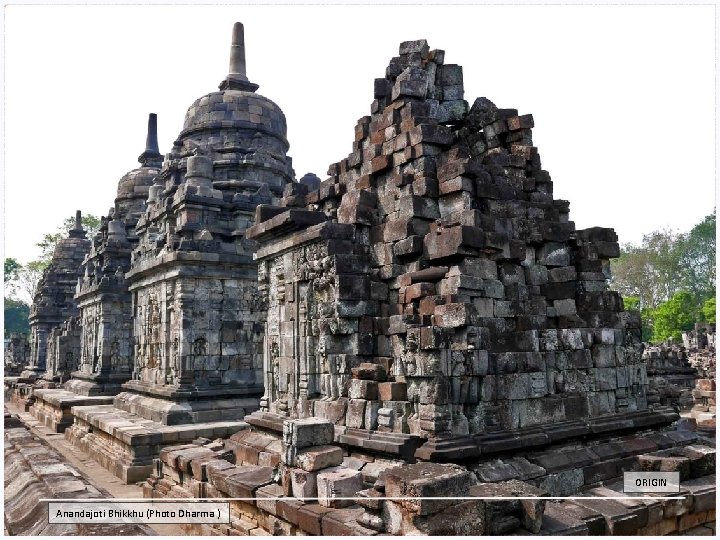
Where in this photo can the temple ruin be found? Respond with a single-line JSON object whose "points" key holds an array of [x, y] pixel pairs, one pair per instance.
{"points": [[103, 327], [17, 354], [52, 305], [197, 312], [335, 355]]}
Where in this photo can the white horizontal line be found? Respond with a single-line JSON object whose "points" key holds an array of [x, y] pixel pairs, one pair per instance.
{"points": [[228, 499]]}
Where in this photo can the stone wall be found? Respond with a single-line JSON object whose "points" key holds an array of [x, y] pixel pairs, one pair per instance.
{"points": [[436, 254], [671, 377]]}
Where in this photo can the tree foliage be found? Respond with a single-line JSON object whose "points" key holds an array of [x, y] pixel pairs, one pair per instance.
{"points": [[16, 315], [651, 270], [670, 278], [697, 259], [708, 310], [675, 316], [11, 270]]}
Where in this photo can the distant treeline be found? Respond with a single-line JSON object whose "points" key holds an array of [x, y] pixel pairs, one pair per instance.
{"points": [[670, 278]]}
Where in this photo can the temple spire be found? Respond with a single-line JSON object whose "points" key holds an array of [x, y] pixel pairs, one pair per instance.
{"points": [[237, 77], [151, 157], [77, 231], [237, 51]]}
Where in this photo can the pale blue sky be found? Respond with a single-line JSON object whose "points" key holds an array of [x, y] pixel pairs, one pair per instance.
{"points": [[623, 96]]}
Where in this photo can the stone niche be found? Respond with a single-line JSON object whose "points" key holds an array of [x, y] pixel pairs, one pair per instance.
{"points": [[432, 285]]}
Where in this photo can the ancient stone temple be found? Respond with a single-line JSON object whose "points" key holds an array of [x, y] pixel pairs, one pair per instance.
{"points": [[102, 293], [432, 286], [54, 299], [63, 353], [52, 305], [439, 334], [197, 312], [102, 332], [17, 353]]}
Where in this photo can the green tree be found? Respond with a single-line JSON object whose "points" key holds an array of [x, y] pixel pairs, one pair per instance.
{"points": [[12, 269], [11, 275], [16, 315], [697, 259], [649, 271], [708, 310], [675, 316]]}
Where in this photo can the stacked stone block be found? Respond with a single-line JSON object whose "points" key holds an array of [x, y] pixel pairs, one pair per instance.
{"points": [[670, 375], [436, 251], [392, 497], [17, 352]]}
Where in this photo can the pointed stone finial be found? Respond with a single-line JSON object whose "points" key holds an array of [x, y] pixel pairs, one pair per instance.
{"points": [[151, 157], [237, 77], [237, 51], [77, 231]]}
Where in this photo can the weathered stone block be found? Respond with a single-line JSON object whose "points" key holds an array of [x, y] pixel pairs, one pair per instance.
{"points": [[336, 483], [427, 480], [392, 391], [363, 389], [445, 242], [370, 372], [318, 457], [306, 432], [454, 315]]}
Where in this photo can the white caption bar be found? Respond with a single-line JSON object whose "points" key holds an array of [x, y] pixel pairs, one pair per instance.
{"points": [[139, 512], [651, 482]]}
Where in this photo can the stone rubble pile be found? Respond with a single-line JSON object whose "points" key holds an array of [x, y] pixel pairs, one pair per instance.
{"points": [[432, 286], [701, 345], [671, 378], [17, 353], [304, 483]]}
